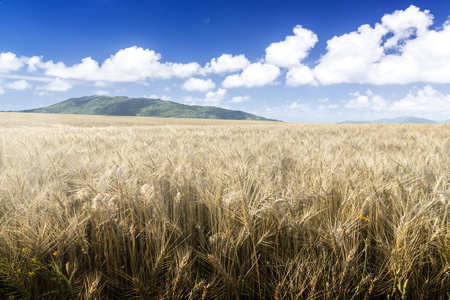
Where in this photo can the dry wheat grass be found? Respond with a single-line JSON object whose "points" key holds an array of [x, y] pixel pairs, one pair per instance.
{"points": [[247, 211]]}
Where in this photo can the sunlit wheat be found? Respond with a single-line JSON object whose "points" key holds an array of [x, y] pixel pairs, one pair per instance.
{"points": [[222, 210]]}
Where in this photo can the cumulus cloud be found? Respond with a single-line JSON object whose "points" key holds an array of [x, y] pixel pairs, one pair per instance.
{"points": [[300, 75], [426, 99], [215, 97], [293, 49], [102, 84], [256, 74], [26, 77], [329, 106], [417, 100], [226, 63], [400, 49], [9, 62], [102, 92], [368, 100], [350, 56], [365, 56], [360, 101], [130, 64], [211, 98], [239, 99], [32, 63], [196, 84], [425, 58], [154, 96], [299, 106], [41, 93], [57, 85], [19, 85], [289, 54], [404, 24]]}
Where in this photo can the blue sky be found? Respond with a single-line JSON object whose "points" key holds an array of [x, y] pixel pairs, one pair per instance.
{"points": [[299, 61]]}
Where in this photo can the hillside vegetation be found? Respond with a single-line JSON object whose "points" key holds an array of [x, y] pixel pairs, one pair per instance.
{"points": [[244, 211], [143, 107]]}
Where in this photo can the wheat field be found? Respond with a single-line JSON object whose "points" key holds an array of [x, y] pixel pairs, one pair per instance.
{"points": [[143, 208]]}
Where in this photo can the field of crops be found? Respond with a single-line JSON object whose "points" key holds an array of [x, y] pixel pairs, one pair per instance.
{"points": [[141, 208]]}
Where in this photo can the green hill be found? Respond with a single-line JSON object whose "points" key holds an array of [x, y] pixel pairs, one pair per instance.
{"points": [[143, 107]]}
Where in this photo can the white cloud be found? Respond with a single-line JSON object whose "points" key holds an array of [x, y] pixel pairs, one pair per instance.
{"points": [[300, 75], [417, 100], [130, 64], [289, 54], [102, 84], [102, 92], [360, 101], [293, 49], [211, 98], [169, 70], [419, 54], [425, 58], [239, 99], [191, 100], [215, 97], [299, 106], [32, 63], [226, 63], [154, 96], [399, 49], [423, 100], [196, 84], [19, 85], [256, 74], [9, 62], [350, 56], [329, 106], [57, 85], [369, 100], [2, 91], [41, 93], [28, 78], [404, 24]]}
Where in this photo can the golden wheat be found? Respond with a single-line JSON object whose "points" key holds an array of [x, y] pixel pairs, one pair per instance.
{"points": [[113, 208]]}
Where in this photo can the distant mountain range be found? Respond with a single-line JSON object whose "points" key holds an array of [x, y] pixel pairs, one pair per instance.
{"points": [[143, 107], [400, 120]]}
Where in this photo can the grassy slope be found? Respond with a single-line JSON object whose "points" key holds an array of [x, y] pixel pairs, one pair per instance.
{"points": [[8, 119], [124, 106]]}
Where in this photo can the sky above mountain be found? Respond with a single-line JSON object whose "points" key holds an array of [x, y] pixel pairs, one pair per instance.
{"points": [[300, 61]]}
